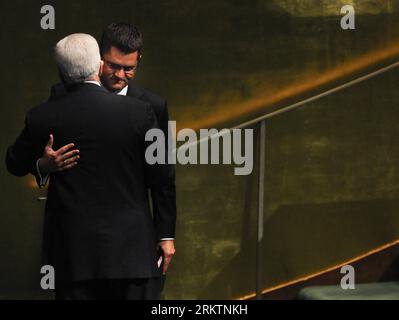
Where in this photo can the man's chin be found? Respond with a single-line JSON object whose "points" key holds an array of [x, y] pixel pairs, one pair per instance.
{"points": [[116, 86]]}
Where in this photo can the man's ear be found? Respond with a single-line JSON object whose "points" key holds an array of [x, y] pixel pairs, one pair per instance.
{"points": [[100, 71]]}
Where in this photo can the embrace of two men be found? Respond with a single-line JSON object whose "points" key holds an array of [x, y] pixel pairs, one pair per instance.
{"points": [[89, 140]]}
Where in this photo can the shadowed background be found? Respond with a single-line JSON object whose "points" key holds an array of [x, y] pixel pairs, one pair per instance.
{"points": [[331, 167]]}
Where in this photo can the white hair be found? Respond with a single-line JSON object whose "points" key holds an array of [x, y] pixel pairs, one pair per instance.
{"points": [[78, 57]]}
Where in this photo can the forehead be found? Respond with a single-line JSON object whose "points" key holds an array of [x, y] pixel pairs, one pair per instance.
{"points": [[114, 55]]}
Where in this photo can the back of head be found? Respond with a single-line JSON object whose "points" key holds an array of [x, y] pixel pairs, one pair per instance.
{"points": [[125, 37], [78, 58]]}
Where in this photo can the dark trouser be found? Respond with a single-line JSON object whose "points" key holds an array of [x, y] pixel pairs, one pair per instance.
{"points": [[111, 289]]}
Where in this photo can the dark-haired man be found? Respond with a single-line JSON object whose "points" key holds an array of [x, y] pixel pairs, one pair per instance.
{"points": [[121, 50]]}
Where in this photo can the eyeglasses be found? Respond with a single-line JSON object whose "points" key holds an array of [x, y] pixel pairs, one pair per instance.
{"points": [[117, 67]]}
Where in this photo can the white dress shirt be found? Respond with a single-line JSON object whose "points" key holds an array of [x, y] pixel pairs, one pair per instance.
{"points": [[123, 92]]}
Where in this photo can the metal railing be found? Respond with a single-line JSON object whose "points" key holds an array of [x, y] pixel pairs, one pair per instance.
{"points": [[262, 155]]}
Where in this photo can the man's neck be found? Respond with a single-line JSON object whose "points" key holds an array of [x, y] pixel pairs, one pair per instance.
{"points": [[95, 78]]}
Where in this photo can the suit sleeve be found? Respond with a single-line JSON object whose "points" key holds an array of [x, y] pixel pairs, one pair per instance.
{"points": [[161, 182], [56, 91], [21, 157]]}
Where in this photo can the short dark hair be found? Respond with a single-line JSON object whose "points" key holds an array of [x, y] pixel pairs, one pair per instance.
{"points": [[125, 37]]}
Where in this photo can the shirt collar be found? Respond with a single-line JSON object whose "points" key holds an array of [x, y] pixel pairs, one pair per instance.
{"points": [[123, 92], [93, 82]]}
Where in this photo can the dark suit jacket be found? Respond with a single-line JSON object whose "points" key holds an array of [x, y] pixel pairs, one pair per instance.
{"points": [[163, 196], [157, 103], [98, 223]]}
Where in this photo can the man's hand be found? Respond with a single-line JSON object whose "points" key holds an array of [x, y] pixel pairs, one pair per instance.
{"points": [[168, 248], [60, 160]]}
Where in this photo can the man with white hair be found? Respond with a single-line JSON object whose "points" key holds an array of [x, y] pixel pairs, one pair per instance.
{"points": [[98, 231]]}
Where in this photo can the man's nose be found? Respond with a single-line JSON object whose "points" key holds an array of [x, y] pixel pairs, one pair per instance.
{"points": [[120, 73]]}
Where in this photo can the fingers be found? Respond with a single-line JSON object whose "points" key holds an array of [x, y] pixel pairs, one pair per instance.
{"points": [[167, 260], [69, 154], [50, 141], [64, 149], [69, 161], [69, 166], [168, 248], [166, 263]]}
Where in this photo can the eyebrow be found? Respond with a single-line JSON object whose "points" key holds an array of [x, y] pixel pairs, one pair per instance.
{"points": [[120, 65]]}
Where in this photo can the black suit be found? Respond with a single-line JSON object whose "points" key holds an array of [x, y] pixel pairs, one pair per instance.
{"points": [[163, 196], [97, 219], [157, 103]]}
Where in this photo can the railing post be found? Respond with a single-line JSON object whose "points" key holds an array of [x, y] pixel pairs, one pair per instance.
{"points": [[261, 181]]}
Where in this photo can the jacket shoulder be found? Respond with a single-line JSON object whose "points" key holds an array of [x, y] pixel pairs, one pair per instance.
{"points": [[57, 91], [143, 94], [135, 108], [128, 101], [40, 110]]}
